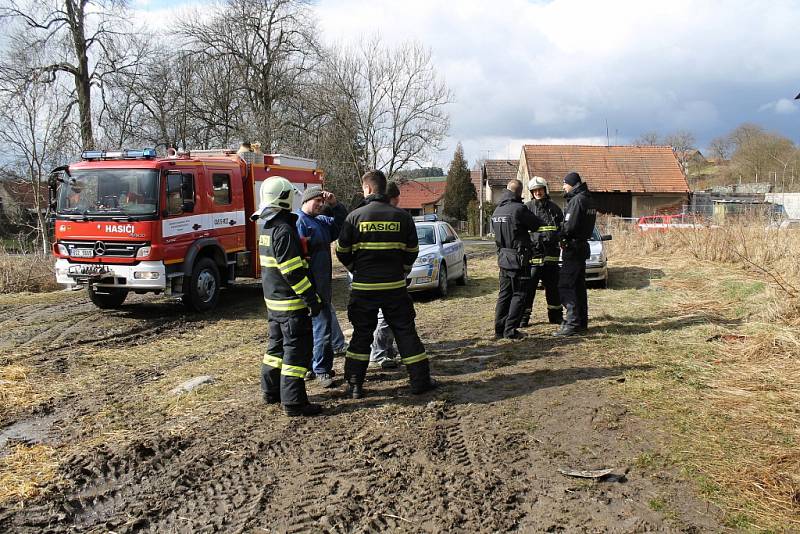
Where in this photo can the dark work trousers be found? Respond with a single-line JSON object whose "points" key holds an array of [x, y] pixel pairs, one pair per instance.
{"points": [[510, 302], [572, 285], [398, 310], [548, 273], [287, 360]]}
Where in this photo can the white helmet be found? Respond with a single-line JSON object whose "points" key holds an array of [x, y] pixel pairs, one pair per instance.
{"points": [[537, 182], [276, 193]]}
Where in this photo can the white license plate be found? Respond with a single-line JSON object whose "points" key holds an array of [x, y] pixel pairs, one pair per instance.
{"points": [[82, 253]]}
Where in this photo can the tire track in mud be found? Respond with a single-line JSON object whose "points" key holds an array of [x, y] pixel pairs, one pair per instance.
{"points": [[470, 486], [332, 485]]}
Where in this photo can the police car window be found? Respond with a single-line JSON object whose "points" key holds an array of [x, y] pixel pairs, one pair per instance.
{"points": [[442, 234], [222, 188], [451, 233], [426, 235]]}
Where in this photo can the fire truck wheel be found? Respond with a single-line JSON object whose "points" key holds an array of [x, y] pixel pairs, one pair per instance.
{"points": [[203, 291], [107, 298]]}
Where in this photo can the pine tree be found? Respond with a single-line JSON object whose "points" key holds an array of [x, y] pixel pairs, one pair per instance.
{"points": [[459, 191]]}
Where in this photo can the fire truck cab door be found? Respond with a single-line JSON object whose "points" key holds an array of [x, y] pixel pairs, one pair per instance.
{"points": [[226, 207], [184, 219]]}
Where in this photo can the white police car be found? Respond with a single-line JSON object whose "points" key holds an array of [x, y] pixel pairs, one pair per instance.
{"points": [[441, 257]]}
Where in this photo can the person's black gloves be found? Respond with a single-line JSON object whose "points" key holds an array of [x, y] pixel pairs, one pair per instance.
{"points": [[315, 308]]}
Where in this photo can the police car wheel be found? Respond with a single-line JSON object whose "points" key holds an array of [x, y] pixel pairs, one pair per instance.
{"points": [[202, 292], [107, 298], [462, 280], [441, 288]]}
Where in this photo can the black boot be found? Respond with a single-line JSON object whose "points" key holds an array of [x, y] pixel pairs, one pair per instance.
{"points": [[355, 388], [555, 316], [419, 389], [270, 398], [419, 374], [302, 410]]}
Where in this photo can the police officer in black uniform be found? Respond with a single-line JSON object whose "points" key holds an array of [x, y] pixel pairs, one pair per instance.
{"points": [[378, 244], [511, 224], [579, 221], [291, 300], [546, 250]]}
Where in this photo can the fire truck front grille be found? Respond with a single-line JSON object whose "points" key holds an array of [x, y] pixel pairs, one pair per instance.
{"points": [[104, 249]]}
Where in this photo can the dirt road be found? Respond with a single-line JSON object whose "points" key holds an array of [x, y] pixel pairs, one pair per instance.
{"points": [[482, 454]]}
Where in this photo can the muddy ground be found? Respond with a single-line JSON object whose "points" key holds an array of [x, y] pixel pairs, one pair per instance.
{"points": [[482, 454]]}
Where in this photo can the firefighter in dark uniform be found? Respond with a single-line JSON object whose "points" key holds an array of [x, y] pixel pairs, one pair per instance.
{"points": [[291, 301], [378, 244], [546, 251], [579, 220], [511, 224]]}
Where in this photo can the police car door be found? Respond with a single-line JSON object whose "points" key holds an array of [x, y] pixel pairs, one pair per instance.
{"points": [[454, 249]]}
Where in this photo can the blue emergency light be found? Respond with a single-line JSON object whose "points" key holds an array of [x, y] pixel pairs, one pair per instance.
{"points": [[145, 153]]}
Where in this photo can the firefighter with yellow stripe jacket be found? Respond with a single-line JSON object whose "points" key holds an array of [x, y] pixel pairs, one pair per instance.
{"points": [[291, 301], [378, 244], [546, 251]]}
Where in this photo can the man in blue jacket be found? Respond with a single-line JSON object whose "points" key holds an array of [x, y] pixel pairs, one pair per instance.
{"points": [[319, 232]]}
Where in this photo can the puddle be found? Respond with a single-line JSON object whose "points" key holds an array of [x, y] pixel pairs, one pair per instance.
{"points": [[32, 431]]}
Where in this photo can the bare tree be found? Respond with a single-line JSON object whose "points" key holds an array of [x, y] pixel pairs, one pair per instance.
{"points": [[272, 45], [393, 98], [84, 39], [683, 143], [32, 136], [721, 148], [648, 139]]}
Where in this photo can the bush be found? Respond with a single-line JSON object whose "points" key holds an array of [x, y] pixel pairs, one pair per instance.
{"points": [[26, 272]]}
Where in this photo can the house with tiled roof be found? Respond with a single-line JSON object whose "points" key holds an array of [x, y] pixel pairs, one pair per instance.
{"points": [[422, 197], [491, 178], [628, 181]]}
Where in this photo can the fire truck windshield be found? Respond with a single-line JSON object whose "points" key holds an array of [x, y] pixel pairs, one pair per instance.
{"points": [[109, 192]]}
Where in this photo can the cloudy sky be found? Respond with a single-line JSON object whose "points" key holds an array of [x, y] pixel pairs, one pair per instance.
{"points": [[558, 71]]}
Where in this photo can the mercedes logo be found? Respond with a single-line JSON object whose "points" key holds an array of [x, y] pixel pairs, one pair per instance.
{"points": [[99, 248]]}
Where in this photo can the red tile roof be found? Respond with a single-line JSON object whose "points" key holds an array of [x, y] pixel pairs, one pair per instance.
{"points": [[500, 171], [414, 195], [638, 169]]}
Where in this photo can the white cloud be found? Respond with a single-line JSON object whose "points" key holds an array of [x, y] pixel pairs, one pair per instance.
{"points": [[784, 106], [563, 69]]}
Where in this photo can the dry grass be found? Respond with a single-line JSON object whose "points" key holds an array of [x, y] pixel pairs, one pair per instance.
{"points": [[15, 388], [25, 471], [26, 272], [729, 379]]}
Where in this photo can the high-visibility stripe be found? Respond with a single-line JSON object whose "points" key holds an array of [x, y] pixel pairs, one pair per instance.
{"points": [[377, 286], [285, 305], [537, 261], [290, 265], [343, 249], [553, 307], [387, 245], [294, 370], [547, 229], [551, 258], [412, 249], [357, 356], [273, 361], [414, 359], [267, 261], [302, 285]]}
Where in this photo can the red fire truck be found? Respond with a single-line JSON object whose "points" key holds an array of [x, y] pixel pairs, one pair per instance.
{"points": [[179, 225]]}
